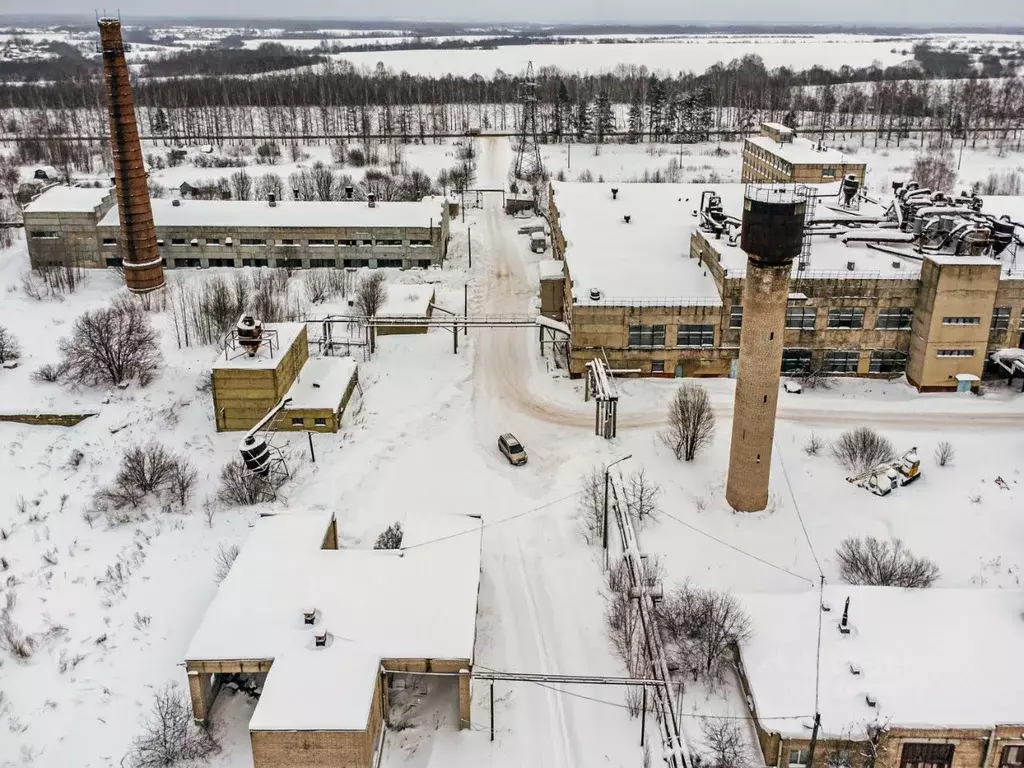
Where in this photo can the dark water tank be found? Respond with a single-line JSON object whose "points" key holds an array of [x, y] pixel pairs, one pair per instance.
{"points": [[773, 226], [255, 454]]}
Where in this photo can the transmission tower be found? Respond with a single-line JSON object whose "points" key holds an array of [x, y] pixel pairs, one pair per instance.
{"points": [[528, 165]]}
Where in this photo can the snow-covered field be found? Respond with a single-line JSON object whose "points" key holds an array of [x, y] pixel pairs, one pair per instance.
{"points": [[112, 608]]}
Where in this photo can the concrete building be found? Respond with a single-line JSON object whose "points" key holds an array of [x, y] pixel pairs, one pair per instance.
{"points": [[661, 295], [222, 233], [323, 631], [950, 702], [779, 155], [415, 301]]}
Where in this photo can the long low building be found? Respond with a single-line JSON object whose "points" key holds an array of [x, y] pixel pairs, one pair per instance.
{"points": [[650, 288], [81, 227]]}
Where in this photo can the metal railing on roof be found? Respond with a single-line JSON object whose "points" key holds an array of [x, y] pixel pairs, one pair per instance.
{"points": [[836, 274], [656, 301]]}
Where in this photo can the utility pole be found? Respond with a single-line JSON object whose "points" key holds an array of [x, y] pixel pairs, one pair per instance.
{"points": [[814, 740], [312, 455], [465, 308], [469, 242], [643, 718], [604, 527]]}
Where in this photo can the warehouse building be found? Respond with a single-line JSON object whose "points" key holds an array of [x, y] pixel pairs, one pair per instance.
{"points": [[655, 290], [321, 631], [886, 701], [67, 225], [779, 155]]}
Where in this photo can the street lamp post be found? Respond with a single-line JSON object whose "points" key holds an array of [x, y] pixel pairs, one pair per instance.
{"points": [[604, 531], [469, 241]]}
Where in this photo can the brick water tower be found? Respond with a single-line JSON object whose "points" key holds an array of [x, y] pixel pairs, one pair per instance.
{"points": [[140, 258], [772, 237]]}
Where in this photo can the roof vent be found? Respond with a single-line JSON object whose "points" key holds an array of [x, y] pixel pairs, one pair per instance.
{"points": [[627, 218], [596, 294], [851, 265], [309, 616], [897, 264], [272, 199], [349, 191], [855, 669], [316, 385], [295, 193], [320, 638], [871, 701], [176, 202], [615, 193], [802, 265], [844, 623], [372, 200], [826, 607]]}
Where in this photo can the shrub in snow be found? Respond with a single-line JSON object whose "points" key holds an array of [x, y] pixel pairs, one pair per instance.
{"points": [[13, 641], [883, 564], [324, 284], [691, 422], [813, 445], [239, 487], [10, 349], [169, 736], [862, 449], [145, 470], [390, 538], [225, 559], [944, 453], [111, 345], [50, 373], [591, 504], [935, 169], [701, 626]]}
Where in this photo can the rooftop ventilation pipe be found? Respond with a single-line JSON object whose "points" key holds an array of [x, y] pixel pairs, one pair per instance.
{"points": [[615, 193], [372, 200], [272, 200]]}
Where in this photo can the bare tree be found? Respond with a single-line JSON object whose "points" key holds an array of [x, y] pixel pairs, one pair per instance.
{"points": [[10, 349], [111, 346], [935, 169], [324, 284], [50, 373], [862, 449], [642, 497], [169, 736], [270, 184], [725, 743], [371, 293], [239, 487], [944, 453], [691, 422], [324, 181], [390, 537], [241, 184], [701, 627], [591, 504], [182, 480], [883, 564], [226, 557]]}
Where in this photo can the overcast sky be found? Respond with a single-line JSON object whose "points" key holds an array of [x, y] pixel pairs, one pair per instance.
{"points": [[907, 12]]}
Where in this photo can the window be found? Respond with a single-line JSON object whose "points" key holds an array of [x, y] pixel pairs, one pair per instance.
{"points": [[109, 241], [297, 421], [846, 317], [316, 263], [894, 319], [955, 353], [389, 242], [290, 263], [213, 242], [392, 263], [320, 422], [799, 757], [695, 336], [658, 366], [365, 242], [288, 242], [796, 360], [829, 173], [888, 361], [1012, 757], [177, 241], [1001, 319], [253, 241], [114, 261], [222, 262], [842, 361], [321, 243], [423, 263], [802, 318], [349, 243], [185, 263], [961, 321], [254, 262], [419, 241], [39, 234], [356, 263], [194, 242], [926, 756], [647, 335], [736, 316]]}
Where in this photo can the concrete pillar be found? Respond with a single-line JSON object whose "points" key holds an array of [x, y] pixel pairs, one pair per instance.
{"points": [[203, 688], [765, 296], [465, 698]]}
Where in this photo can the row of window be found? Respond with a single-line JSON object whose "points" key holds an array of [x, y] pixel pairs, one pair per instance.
{"points": [[181, 263], [686, 336], [214, 242], [883, 361], [769, 158], [805, 318], [913, 755], [298, 421]]}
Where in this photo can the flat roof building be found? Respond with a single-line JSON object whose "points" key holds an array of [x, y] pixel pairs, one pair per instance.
{"points": [[779, 155]]}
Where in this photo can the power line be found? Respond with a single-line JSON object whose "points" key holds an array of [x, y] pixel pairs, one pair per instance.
{"points": [[541, 508], [737, 549], [796, 506]]}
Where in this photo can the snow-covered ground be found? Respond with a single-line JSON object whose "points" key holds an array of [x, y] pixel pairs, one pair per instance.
{"points": [[426, 428]]}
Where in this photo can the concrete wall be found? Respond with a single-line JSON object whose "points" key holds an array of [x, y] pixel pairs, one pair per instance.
{"points": [[66, 238], [332, 418]]}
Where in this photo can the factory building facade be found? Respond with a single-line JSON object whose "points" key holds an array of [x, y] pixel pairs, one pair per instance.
{"points": [[779, 155], [853, 311], [82, 227]]}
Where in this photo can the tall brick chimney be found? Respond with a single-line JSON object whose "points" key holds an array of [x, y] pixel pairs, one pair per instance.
{"points": [[143, 271]]}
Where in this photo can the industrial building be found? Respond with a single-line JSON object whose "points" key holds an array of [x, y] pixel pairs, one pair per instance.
{"points": [[83, 227], [319, 633], [779, 155], [883, 701], [654, 279]]}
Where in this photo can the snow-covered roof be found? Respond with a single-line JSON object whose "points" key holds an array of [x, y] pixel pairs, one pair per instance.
{"points": [[647, 260], [69, 200], [304, 214], [407, 301], [938, 658], [801, 151], [550, 269], [415, 603], [321, 383], [268, 355]]}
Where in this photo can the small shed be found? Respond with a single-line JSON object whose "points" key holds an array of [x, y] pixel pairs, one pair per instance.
{"points": [[967, 382], [320, 394], [552, 288], [406, 301]]}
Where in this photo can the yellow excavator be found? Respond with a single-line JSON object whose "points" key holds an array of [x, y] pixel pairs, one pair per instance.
{"points": [[885, 478]]}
